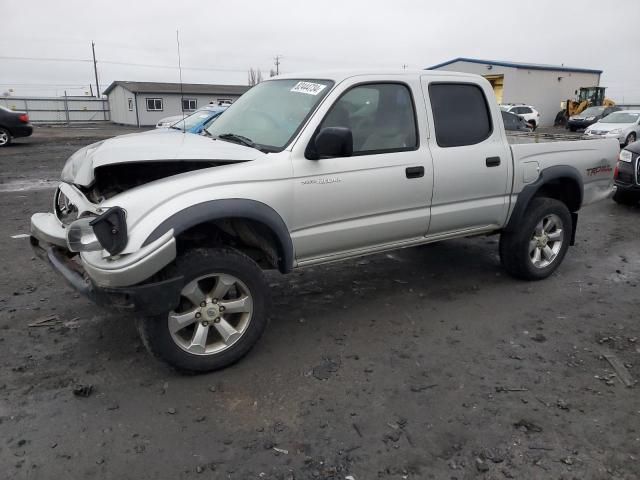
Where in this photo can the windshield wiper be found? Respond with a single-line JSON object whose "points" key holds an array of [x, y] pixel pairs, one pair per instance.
{"points": [[237, 139], [175, 128], [205, 132]]}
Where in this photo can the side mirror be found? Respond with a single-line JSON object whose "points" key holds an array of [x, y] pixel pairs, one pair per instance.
{"points": [[331, 142]]}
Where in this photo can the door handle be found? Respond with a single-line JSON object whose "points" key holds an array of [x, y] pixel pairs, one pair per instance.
{"points": [[493, 161], [415, 172]]}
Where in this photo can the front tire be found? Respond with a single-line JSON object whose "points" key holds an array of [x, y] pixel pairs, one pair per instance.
{"points": [[221, 315], [538, 244], [630, 139]]}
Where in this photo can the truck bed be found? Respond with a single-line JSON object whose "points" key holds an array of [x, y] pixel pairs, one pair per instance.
{"points": [[593, 159], [516, 138]]}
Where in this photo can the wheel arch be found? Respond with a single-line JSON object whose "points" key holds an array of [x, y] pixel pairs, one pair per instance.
{"points": [[561, 182], [240, 216]]}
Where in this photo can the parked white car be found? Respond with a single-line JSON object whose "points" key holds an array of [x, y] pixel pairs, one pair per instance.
{"points": [[623, 125], [526, 112]]}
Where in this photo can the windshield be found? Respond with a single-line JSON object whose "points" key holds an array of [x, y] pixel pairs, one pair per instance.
{"points": [[592, 112], [621, 117], [271, 113], [195, 119]]}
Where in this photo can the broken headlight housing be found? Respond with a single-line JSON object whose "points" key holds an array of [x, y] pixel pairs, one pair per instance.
{"points": [[108, 232]]}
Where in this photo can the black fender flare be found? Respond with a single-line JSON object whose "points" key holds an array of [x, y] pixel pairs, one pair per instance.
{"points": [[529, 191], [231, 208]]}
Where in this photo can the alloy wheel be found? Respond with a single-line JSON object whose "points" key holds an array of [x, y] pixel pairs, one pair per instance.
{"points": [[546, 241], [214, 312]]}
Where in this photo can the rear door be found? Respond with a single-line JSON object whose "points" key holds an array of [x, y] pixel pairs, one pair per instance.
{"points": [[378, 196], [472, 161]]}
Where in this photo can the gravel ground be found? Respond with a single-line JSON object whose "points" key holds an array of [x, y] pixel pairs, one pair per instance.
{"points": [[428, 362]]}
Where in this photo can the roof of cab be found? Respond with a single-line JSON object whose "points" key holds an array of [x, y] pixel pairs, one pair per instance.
{"points": [[340, 75]]}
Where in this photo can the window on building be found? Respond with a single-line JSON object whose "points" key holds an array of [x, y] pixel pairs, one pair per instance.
{"points": [[154, 104], [189, 104], [460, 114], [130, 103], [381, 117]]}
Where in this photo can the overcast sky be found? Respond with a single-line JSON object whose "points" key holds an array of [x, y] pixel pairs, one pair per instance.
{"points": [[224, 39]]}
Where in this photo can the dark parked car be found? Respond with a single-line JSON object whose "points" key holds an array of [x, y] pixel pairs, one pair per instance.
{"points": [[627, 175], [13, 125], [588, 117], [514, 122]]}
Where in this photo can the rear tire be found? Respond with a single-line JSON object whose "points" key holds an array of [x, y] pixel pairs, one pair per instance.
{"points": [[625, 198], [539, 242], [5, 137], [203, 333]]}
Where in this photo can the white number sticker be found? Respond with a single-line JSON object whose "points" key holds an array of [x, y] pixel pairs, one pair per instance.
{"points": [[309, 88]]}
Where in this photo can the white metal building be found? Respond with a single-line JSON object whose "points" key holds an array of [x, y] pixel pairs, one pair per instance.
{"points": [[144, 103], [542, 86]]}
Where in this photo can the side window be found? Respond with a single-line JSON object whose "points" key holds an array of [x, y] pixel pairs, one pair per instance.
{"points": [[525, 110], [130, 104], [381, 117], [154, 104], [189, 104], [460, 113]]}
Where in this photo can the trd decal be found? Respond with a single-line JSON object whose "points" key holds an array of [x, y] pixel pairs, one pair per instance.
{"points": [[598, 170]]}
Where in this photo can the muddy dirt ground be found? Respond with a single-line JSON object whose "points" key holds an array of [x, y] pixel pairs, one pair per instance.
{"points": [[424, 363]]}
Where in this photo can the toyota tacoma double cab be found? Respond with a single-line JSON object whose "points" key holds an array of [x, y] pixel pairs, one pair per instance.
{"points": [[303, 170]]}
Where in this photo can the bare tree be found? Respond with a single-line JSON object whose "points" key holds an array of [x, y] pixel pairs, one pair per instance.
{"points": [[272, 72], [254, 76]]}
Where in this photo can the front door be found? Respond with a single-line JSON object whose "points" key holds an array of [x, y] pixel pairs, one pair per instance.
{"points": [[380, 195]]}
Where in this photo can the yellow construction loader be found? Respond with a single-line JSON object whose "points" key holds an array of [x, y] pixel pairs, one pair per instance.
{"points": [[585, 97]]}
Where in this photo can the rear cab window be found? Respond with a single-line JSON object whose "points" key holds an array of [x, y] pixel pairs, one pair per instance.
{"points": [[461, 114]]}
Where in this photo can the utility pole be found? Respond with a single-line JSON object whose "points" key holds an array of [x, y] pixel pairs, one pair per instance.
{"points": [[95, 68], [404, 66], [277, 63]]}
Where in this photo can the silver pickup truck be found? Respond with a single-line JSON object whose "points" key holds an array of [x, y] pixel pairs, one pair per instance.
{"points": [[302, 170]]}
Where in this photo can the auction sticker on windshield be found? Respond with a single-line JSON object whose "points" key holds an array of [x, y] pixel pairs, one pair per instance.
{"points": [[309, 88]]}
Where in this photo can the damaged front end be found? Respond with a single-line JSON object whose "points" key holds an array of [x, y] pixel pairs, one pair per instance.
{"points": [[112, 179]]}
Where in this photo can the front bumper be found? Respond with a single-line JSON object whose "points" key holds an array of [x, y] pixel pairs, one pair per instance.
{"points": [[580, 124], [109, 271], [152, 298]]}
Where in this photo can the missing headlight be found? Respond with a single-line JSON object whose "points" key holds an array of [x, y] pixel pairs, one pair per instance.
{"points": [[65, 211]]}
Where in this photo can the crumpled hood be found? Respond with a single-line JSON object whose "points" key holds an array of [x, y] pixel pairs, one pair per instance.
{"points": [[143, 147]]}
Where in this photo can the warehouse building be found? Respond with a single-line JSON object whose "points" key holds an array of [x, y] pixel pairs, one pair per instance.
{"points": [[544, 87], [144, 103]]}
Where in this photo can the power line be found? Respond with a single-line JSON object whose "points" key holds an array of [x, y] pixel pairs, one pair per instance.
{"points": [[43, 59], [129, 64]]}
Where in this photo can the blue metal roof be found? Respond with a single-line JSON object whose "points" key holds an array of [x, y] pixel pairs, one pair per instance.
{"points": [[527, 66]]}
